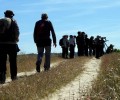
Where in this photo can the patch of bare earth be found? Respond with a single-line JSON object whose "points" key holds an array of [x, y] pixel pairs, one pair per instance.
{"points": [[79, 88], [29, 73]]}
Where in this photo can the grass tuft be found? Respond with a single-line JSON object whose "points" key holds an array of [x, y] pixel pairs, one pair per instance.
{"points": [[107, 85]]}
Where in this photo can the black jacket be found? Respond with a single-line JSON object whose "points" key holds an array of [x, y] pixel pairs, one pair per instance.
{"points": [[42, 33]]}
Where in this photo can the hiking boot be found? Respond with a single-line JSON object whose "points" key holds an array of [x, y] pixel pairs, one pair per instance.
{"points": [[14, 78], [2, 82], [46, 69], [2, 77], [38, 69], [38, 66]]}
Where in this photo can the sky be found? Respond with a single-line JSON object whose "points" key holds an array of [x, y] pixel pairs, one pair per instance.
{"points": [[94, 17]]}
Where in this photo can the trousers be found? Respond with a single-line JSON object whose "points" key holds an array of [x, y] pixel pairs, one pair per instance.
{"points": [[40, 56], [8, 50]]}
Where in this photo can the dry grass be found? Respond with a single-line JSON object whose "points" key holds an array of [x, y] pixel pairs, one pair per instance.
{"points": [[27, 62], [107, 85], [40, 85]]}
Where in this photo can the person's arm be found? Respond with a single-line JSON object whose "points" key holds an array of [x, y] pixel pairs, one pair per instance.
{"points": [[53, 35], [34, 34], [16, 30]]}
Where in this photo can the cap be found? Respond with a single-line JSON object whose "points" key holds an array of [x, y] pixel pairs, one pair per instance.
{"points": [[44, 16], [9, 13]]}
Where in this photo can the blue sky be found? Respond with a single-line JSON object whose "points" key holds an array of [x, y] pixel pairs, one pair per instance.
{"points": [[94, 17]]}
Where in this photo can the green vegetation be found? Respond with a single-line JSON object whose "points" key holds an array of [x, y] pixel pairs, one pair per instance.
{"points": [[116, 50]]}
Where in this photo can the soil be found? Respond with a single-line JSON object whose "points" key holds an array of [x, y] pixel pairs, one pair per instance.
{"points": [[79, 88]]}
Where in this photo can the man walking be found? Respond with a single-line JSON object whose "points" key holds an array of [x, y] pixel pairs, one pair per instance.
{"points": [[42, 31], [9, 36]]}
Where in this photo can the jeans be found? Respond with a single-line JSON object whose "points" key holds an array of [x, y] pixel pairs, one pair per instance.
{"points": [[40, 56]]}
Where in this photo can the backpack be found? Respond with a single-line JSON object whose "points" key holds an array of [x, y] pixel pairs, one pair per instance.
{"points": [[6, 30], [4, 25], [61, 42]]}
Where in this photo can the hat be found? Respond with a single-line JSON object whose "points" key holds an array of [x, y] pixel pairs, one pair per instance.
{"points": [[44, 16], [9, 13], [71, 36]]}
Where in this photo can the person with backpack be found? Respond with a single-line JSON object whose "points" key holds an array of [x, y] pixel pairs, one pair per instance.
{"points": [[72, 46], [9, 36], [41, 35], [65, 47], [62, 46]]}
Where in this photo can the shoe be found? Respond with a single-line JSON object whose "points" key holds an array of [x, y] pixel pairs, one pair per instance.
{"points": [[14, 78], [2, 82], [38, 69], [2, 78], [46, 69], [97, 57]]}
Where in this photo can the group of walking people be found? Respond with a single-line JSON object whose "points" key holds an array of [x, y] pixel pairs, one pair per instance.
{"points": [[93, 46], [9, 37]]}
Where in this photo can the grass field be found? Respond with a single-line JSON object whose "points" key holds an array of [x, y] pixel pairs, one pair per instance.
{"points": [[41, 84], [38, 86], [27, 62], [107, 85]]}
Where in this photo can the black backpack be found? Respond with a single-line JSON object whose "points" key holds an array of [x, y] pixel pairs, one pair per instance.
{"points": [[61, 42], [4, 25], [7, 30]]}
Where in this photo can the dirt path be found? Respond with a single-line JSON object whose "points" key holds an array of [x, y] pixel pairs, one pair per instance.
{"points": [[75, 90], [78, 88], [23, 74]]}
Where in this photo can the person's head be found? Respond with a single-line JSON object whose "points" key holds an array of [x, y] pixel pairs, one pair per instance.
{"points": [[74, 36], [111, 45], [86, 35], [66, 36], [44, 16], [79, 32], [92, 37], [9, 13], [71, 36]]}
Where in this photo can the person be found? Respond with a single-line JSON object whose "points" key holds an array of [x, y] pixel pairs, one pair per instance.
{"points": [[65, 47], [72, 46], [98, 47], [109, 49], [41, 35], [80, 43], [91, 46], [86, 46], [62, 46], [8, 46]]}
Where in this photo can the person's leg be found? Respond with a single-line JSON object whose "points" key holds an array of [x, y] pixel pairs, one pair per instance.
{"points": [[3, 59], [47, 57], [39, 58], [90, 51], [13, 61], [97, 52], [72, 51], [66, 52], [79, 51], [63, 54]]}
